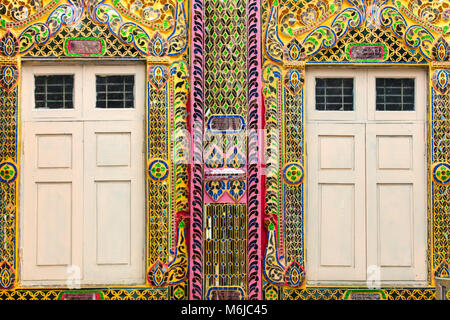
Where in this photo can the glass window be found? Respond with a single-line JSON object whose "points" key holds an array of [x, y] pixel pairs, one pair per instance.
{"points": [[53, 92], [334, 94], [115, 92], [395, 94]]}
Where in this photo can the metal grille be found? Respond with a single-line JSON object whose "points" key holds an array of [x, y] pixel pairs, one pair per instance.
{"points": [[395, 94], [334, 94], [53, 92], [225, 245], [115, 92]]}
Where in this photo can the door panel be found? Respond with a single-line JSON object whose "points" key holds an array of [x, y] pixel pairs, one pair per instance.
{"points": [[336, 202], [336, 225], [337, 152], [54, 151], [54, 211], [113, 222], [114, 184], [395, 222], [52, 199], [113, 149], [396, 200]]}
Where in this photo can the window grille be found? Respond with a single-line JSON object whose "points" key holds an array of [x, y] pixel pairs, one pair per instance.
{"points": [[334, 94]]}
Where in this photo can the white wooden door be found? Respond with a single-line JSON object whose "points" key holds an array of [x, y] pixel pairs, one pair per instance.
{"points": [[52, 199], [83, 182], [336, 231], [396, 205], [366, 178], [113, 184]]}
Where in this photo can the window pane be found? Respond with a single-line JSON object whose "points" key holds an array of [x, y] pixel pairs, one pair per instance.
{"points": [[395, 94], [115, 92], [53, 92], [334, 94]]}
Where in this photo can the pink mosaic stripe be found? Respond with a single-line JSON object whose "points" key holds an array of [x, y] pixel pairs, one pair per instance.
{"points": [[196, 177], [255, 150]]}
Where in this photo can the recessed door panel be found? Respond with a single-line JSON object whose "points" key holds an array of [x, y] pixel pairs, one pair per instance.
{"points": [[113, 149], [54, 151], [395, 209], [113, 211], [337, 152], [54, 223], [337, 230], [394, 152]]}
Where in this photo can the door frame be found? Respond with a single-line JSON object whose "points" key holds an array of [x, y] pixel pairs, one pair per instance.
{"points": [[368, 117], [27, 113]]}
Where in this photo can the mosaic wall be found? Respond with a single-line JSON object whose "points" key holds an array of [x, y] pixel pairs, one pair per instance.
{"points": [[44, 30], [204, 60], [299, 33]]}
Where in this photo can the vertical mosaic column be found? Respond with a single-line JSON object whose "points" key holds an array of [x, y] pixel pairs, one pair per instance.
{"points": [[273, 103], [255, 149], [9, 159], [158, 152], [167, 174], [196, 180], [439, 153], [283, 100], [225, 149], [293, 164], [225, 172]]}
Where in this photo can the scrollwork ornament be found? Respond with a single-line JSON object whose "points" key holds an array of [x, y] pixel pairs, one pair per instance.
{"points": [[178, 39], [390, 17], [321, 37], [65, 14], [349, 18], [158, 15], [273, 268], [273, 44], [38, 33], [105, 14], [295, 20], [131, 33], [418, 37]]}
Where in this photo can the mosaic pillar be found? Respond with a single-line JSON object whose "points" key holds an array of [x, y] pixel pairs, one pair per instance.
{"points": [[9, 159], [283, 100], [439, 154], [158, 163], [167, 154]]}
